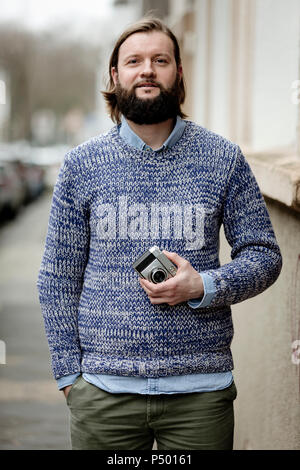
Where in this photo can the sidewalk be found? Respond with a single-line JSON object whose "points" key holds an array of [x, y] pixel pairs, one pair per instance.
{"points": [[33, 413]]}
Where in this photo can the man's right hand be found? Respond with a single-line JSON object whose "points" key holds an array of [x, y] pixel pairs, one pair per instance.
{"points": [[66, 390]]}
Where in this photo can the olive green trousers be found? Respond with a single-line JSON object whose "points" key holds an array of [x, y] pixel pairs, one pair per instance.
{"points": [[125, 421]]}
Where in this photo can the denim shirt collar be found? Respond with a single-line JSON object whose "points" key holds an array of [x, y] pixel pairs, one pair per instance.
{"points": [[135, 141]]}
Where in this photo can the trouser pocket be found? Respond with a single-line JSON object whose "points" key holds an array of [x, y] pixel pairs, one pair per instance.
{"points": [[72, 389]]}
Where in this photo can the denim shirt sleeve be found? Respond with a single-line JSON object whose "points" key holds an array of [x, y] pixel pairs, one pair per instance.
{"points": [[209, 293], [66, 380]]}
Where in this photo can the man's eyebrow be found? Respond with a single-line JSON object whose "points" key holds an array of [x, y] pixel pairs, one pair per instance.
{"points": [[137, 54], [164, 54]]}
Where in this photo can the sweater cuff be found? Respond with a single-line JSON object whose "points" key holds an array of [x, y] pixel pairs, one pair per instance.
{"points": [[63, 382], [209, 293]]}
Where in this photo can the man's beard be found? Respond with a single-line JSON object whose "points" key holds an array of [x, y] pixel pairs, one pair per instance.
{"points": [[149, 110]]}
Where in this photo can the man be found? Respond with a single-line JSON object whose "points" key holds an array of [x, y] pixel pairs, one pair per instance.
{"points": [[139, 360]]}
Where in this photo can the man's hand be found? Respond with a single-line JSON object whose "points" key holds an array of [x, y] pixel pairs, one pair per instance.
{"points": [[186, 285], [66, 390]]}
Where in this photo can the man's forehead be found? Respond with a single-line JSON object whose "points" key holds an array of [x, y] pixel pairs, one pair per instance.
{"points": [[155, 42]]}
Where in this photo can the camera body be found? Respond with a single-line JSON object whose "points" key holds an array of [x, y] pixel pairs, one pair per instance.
{"points": [[154, 266]]}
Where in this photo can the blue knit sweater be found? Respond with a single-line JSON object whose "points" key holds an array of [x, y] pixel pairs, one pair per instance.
{"points": [[110, 204]]}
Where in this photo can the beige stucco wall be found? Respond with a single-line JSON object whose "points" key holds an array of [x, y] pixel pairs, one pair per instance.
{"points": [[267, 408], [238, 90]]}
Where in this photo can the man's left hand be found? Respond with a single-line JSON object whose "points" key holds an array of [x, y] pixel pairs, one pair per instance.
{"points": [[185, 285]]}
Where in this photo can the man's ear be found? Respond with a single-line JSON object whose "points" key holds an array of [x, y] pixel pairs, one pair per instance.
{"points": [[114, 74]]}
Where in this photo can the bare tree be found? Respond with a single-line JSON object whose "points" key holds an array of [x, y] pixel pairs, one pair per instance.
{"points": [[46, 73]]}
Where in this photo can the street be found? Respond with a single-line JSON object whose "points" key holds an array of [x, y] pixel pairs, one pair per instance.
{"points": [[33, 412]]}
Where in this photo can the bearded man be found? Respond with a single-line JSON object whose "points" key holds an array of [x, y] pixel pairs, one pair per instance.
{"points": [[140, 360]]}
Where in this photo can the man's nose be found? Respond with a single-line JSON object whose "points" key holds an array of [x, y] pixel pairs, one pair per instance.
{"points": [[148, 69]]}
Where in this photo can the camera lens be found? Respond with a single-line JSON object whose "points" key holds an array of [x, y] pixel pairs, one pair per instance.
{"points": [[158, 275]]}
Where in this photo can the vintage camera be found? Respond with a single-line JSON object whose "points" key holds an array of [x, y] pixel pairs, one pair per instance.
{"points": [[154, 266]]}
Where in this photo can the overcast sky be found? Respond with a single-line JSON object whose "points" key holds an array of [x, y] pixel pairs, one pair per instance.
{"points": [[93, 20], [40, 13]]}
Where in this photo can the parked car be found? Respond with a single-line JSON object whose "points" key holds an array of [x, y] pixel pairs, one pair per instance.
{"points": [[12, 191], [32, 177], [21, 178], [49, 159]]}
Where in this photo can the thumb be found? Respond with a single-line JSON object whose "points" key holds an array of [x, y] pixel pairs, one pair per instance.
{"points": [[174, 257]]}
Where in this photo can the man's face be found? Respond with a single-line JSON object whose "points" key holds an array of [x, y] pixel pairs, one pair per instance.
{"points": [[145, 61], [147, 78]]}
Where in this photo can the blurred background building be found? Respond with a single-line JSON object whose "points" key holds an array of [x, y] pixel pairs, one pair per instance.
{"points": [[241, 61]]}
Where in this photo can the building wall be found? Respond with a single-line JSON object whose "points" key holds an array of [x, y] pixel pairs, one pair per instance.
{"points": [[245, 68], [267, 410], [244, 64], [4, 103]]}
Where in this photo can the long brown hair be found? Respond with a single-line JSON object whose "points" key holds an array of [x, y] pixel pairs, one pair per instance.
{"points": [[141, 26]]}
